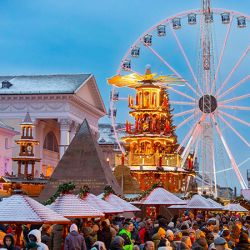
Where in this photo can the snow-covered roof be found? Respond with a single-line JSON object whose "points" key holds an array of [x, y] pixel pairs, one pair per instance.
{"points": [[235, 208], [116, 201], [5, 126], [70, 206], [100, 204], [215, 203], [160, 196], [106, 133], [198, 202], [23, 209], [43, 84]]}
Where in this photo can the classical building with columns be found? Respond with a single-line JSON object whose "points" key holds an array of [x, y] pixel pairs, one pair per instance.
{"points": [[57, 105]]}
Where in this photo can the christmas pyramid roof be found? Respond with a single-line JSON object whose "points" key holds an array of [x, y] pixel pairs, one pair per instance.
{"points": [[23, 209], [100, 204], [160, 196], [116, 201], [235, 208], [83, 163], [27, 119], [70, 206]]}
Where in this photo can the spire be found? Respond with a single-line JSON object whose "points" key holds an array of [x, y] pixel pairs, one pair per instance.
{"points": [[27, 119], [148, 69]]}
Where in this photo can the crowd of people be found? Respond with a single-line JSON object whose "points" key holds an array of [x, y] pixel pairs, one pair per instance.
{"points": [[197, 232]]}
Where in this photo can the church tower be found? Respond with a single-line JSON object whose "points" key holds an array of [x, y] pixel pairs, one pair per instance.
{"points": [[26, 159]]}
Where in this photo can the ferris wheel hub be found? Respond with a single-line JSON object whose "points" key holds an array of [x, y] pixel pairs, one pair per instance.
{"points": [[208, 104]]}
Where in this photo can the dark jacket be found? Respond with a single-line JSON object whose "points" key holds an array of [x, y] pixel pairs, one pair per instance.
{"points": [[242, 246], [74, 241], [105, 236], [12, 246], [57, 237]]}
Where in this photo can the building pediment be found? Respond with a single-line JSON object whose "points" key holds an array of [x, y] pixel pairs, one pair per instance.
{"points": [[90, 93]]}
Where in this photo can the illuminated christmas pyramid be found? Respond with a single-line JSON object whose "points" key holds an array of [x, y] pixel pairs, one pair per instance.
{"points": [[151, 143]]}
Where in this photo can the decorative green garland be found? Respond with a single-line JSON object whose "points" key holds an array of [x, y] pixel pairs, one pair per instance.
{"points": [[62, 189], [109, 190], [84, 191]]}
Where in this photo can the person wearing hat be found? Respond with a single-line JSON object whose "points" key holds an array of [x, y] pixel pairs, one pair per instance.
{"points": [[142, 231], [74, 240], [161, 234], [220, 243], [35, 236], [170, 237]]}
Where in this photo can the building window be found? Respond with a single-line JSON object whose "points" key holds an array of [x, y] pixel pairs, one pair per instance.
{"points": [[50, 142], [6, 143]]}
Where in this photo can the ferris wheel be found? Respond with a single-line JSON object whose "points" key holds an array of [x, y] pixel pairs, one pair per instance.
{"points": [[209, 49]]}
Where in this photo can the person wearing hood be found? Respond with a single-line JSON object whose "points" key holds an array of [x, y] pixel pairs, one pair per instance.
{"points": [[9, 242], [35, 236], [74, 240], [117, 243]]}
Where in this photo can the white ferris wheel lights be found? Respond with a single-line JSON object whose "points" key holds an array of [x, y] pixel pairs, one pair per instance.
{"points": [[234, 130], [234, 107], [221, 55], [185, 121], [170, 67], [244, 54], [234, 118], [190, 111], [245, 79], [233, 162], [182, 103], [237, 98], [186, 59], [181, 93], [188, 135]]}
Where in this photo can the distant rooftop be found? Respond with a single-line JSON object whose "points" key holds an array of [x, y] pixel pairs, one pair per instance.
{"points": [[42, 84], [3, 125], [106, 133]]}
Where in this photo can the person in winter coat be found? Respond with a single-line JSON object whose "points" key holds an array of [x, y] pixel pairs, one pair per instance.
{"points": [[105, 234], [74, 240], [35, 236], [9, 242], [88, 233], [243, 242], [57, 237], [98, 245], [117, 243], [46, 235], [125, 233]]}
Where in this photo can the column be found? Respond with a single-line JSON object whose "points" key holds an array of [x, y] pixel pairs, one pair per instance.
{"points": [[25, 169], [19, 168], [64, 135], [73, 129]]}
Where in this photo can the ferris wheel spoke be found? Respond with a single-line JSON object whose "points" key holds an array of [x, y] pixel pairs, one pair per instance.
{"points": [[233, 70], [190, 143], [184, 112], [214, 169], [234, 164], [221, 54], [169, 66], [185, 121], [182, 94], [234, 118], [234, 107], [196, 148], [237, 98], [186, 59], [190, 132], [182, 103], [234, 130], [245, 79]]}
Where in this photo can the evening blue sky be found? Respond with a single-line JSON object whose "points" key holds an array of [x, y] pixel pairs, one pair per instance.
{"points": [[79, 36]]}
